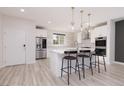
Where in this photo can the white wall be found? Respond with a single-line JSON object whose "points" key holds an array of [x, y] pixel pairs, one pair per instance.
{"points": [[112, 41], [25, 31], [69, 39], [1, 40], [79, 37]]}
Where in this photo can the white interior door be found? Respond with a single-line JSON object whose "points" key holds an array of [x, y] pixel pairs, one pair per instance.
{"points": [[14, 41]]}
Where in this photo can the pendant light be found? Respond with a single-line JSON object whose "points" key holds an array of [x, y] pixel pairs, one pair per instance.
{"points": [[89, 15], [89, 26], [72, 21], [81, 20]]}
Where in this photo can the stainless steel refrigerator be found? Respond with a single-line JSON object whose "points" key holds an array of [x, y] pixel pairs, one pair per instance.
{"points": [[41, 47]]}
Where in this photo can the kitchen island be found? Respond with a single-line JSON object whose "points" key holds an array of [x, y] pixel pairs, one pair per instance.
{"points": [[56, 56]]}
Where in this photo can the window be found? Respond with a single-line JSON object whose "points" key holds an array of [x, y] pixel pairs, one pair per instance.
{"points": [[58, 39]]}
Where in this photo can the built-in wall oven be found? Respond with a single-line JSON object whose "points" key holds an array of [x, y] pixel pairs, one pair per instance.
{"points": [[100, 44], [41, 47]]}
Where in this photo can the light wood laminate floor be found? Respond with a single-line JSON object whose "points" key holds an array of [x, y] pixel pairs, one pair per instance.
{"points": [[39, 74]]}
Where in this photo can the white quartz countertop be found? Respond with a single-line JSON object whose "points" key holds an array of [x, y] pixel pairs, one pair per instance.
{"points": [[61, 50]]}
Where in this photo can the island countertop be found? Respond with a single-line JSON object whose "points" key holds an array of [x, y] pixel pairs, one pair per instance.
{"points": [[61, 50]]}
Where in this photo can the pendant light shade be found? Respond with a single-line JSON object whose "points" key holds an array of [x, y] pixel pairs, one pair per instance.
{"points": [[89, 24], [72, 20]]}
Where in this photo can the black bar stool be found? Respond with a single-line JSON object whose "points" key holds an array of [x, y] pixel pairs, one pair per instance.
{"points": [[70, 55], [97, 53], [85, 54]]}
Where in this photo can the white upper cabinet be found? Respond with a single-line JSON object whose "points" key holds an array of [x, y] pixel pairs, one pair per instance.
{"points": [[98, 32], [40, 33]]}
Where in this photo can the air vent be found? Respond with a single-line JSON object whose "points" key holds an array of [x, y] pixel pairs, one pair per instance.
{"points": [[40, 27]]}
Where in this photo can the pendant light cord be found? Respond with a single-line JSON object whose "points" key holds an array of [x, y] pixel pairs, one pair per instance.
{"points": [[72, 22]]}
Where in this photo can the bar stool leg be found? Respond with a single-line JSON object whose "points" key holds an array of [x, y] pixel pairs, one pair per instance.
{"points": [[78, 69], [68, 71], [75, 67], [91, 66], [62, 67], [83, 67], [104, 63], [70, 66], [98, 65], [95, 61]]}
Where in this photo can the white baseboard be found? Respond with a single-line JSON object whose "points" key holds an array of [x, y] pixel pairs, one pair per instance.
{"points": [[1, 66], [118, 63], [5, 65], [31, 62]]}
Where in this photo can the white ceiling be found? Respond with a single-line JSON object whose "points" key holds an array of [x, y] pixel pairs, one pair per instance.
{"points": [[61, 16]]}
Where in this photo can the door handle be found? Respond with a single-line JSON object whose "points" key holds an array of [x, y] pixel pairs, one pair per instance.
{"points": [[24, 45]]}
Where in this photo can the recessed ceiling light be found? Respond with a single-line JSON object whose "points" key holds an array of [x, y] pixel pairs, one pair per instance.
{"points": [[49, 22], [22, 10]]}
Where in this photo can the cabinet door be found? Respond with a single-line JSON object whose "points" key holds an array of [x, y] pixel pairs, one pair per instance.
{"points": [[44, 54]]}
